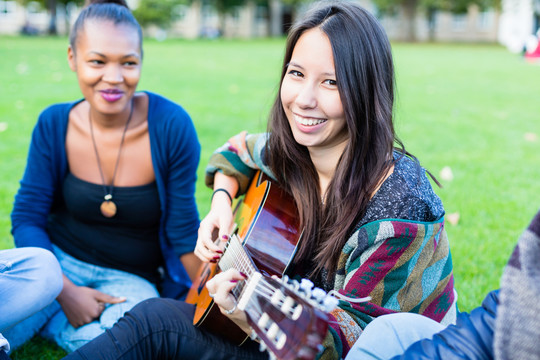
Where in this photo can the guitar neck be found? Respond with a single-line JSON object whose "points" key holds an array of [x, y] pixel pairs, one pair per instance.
{"points": [[235, 257]]}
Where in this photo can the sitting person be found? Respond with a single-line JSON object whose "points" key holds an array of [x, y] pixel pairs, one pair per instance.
{"points": [[372, 224], [30, 279], [532, 48], [109, 187], [505, 326]]}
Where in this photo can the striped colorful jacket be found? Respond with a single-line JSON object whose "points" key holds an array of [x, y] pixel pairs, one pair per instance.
{"points": [[403, 265]]}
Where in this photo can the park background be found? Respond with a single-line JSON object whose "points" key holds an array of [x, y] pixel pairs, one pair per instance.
{"points": [[469, 112]]}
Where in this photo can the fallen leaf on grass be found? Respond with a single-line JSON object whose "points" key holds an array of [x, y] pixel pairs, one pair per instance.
{"points": [[446, 173], [453, 218], [531, 137], [21, 68]]}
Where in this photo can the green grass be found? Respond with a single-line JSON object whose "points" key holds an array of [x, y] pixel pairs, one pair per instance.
{"points": [[463, 106]]}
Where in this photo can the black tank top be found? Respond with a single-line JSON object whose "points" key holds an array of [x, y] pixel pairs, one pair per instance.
{"points": [[129, 241]]}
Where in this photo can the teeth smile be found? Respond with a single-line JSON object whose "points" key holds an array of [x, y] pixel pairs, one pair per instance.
{"points": [[307, 121]]}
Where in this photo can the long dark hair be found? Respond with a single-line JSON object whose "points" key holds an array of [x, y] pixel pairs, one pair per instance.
{"points": [[115, 11], [365, 80]]}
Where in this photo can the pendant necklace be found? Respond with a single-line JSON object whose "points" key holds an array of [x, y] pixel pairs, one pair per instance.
{"points": [[108, 207]]}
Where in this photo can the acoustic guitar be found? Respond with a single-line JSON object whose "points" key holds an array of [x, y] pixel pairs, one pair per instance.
{"points": [[288, 317]]}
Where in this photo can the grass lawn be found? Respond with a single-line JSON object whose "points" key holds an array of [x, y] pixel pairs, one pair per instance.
{"points": [[472, 108]]}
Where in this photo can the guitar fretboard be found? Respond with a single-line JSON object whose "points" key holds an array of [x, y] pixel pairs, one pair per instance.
{"points": [[235, 257]]}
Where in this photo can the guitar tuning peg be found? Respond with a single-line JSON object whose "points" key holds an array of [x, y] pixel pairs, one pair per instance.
{"points": [[329, 303], [290, 283], [295, 285], [306, 285], [262, 347], [318, 293]]}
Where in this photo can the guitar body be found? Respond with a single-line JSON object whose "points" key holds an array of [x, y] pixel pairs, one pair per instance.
{"points": [[267, 224]]}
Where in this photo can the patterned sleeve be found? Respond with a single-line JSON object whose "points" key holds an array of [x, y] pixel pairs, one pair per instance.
{"points": [[240, 157], [403, 266]]}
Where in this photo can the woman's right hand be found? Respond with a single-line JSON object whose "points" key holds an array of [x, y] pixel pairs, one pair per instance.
{"points": [[82, 304], [217, 224]]}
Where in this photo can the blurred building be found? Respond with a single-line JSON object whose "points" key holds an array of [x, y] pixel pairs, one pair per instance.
{"points": [[32, 19], [473, 26], [202, 20], [510, 26]]}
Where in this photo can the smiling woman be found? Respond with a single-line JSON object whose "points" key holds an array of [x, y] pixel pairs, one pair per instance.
{"points": [[108, 71], [312, 103], [104, 175]]}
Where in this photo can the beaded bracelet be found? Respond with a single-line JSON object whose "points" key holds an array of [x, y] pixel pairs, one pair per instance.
{"points": [[225, 191]]}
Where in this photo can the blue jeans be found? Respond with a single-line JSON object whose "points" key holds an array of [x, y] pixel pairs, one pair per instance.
{"points": [[30, 279], [163, 329], [53, 324], [390, 335]]}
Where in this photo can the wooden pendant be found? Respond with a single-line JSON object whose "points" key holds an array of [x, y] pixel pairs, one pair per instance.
{"points": [[108, 208]]}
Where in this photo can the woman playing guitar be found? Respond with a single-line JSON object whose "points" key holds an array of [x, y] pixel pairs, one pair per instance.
{"points": [[372, 225]]}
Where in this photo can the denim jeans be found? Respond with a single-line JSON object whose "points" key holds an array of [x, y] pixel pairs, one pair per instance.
{"points": [[163, 329], [30, 279], [390, 335], [53, 324]]}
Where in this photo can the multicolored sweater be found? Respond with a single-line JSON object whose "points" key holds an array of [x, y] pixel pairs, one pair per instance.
{"points": [[399, 255]]}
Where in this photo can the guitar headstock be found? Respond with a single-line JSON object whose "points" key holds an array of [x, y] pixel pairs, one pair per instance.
{"points": [[289, 317]]}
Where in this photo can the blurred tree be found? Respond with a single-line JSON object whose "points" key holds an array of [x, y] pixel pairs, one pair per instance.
{"points": [[224, 7], [282, 13], [157, 12], [430, 7], [51, 6], [162, 14], [293, 6]]}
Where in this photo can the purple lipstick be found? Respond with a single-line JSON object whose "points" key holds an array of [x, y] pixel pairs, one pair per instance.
{"points": [[112, 95]]}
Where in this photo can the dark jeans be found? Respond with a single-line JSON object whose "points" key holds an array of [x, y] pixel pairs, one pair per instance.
{"points": [[162, 329]]}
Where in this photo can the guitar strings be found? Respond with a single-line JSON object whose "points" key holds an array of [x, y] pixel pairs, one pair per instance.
{"points": [[244, 264], [236, 257]]}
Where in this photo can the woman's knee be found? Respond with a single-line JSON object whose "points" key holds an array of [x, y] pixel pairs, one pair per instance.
{"points": [[404, 325], [36, 274], [47, 273]]}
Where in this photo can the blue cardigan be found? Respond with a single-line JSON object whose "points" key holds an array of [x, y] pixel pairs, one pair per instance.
{"points": [[175, 156]]}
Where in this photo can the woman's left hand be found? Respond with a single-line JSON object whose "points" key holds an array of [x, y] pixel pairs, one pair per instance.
{"points": [[220, 287]]}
